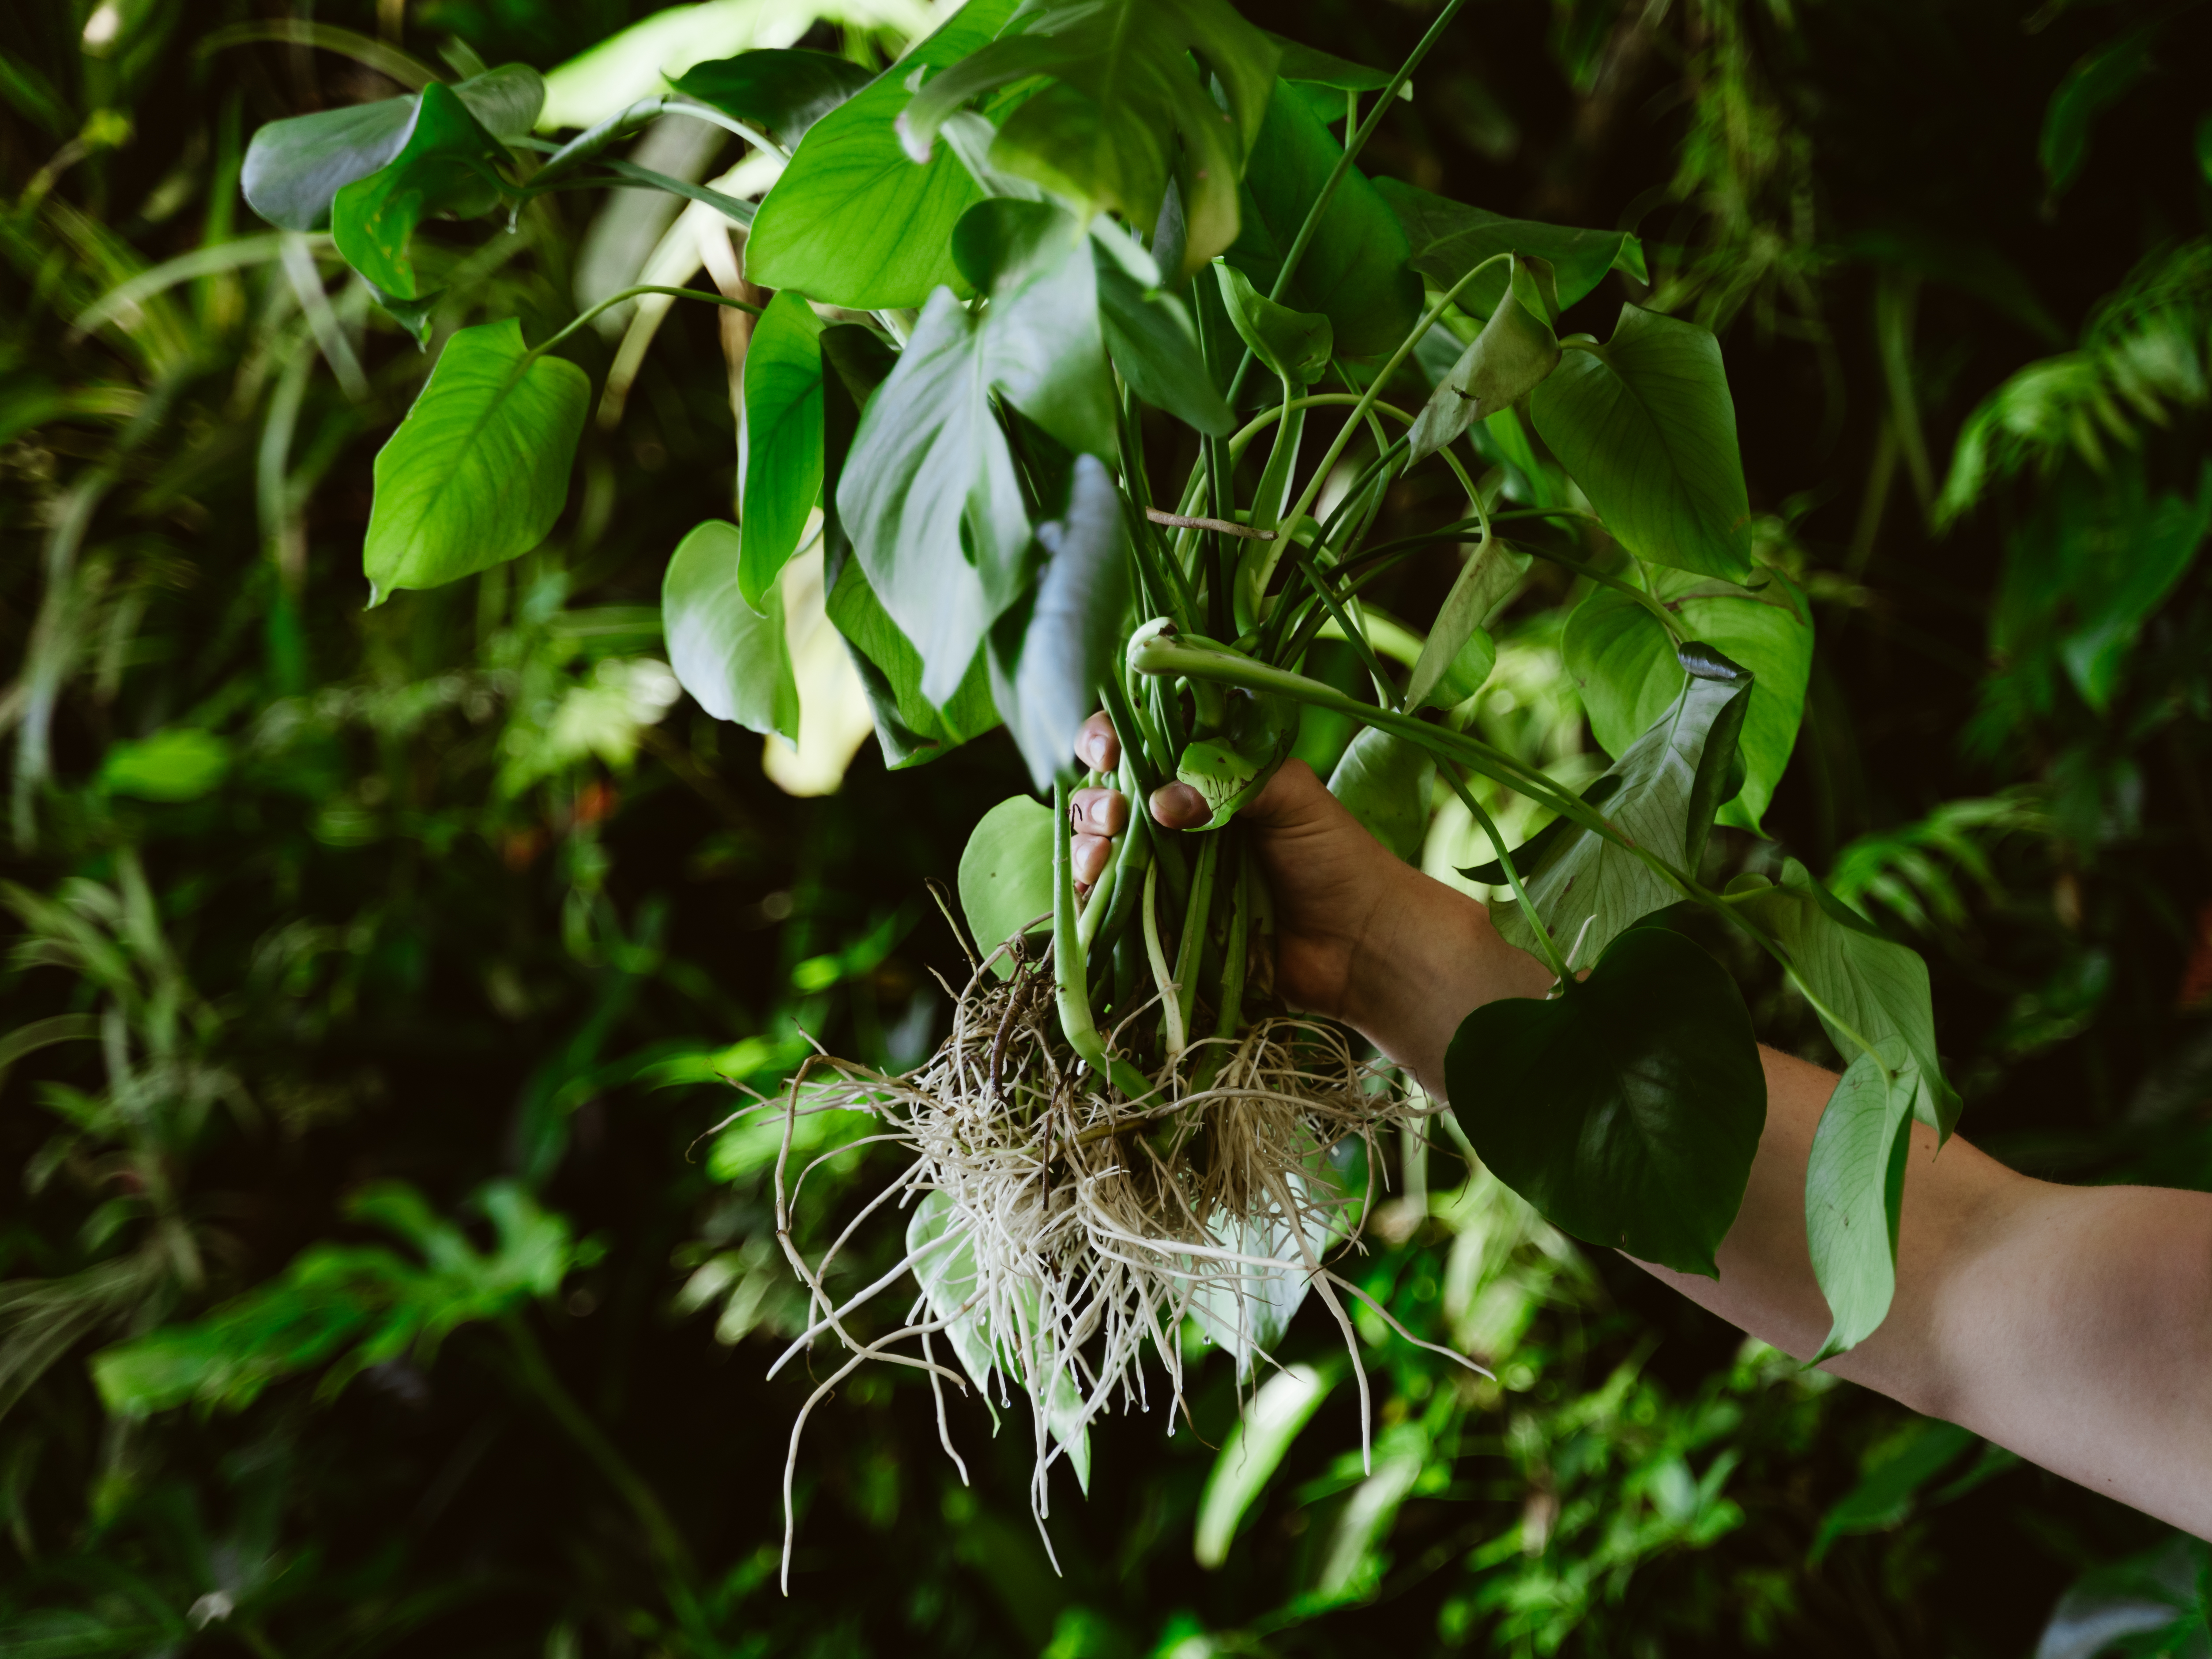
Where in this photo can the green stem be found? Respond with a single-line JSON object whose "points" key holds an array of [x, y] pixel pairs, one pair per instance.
{"points": [[616, 299], [1072, 990], [1190, 949], [1241, 440], [1553, 959]]}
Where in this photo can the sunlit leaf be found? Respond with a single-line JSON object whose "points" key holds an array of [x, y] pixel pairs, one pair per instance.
{"points": [[1384, 781], [1040, 342], [780, 477], [1005, 870], [1281, 1407], [182, 764], [1854, 1191], [731, 658]]}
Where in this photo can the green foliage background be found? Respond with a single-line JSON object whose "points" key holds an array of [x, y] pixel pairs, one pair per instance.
{"points": [[374, 971]]}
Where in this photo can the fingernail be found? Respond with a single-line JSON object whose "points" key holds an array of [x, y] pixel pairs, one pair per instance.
{"points": [[1098, 751]]}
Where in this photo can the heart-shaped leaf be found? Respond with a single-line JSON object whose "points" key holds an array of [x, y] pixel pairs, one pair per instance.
{"points": [[731, 657], [1645, 425], [1515, 351], [779, 476], [1623, 660], [1628, 1107], [477, 472], [1293, 344], [782, 91], [1124, 112], [1873, 985], [1449, 239], [1040, 341], [1855, 1190], [1662, 795], [1006, 872], [1355, 270], [1052, 650], [1384, 781], [853, 222], [1443, 673]]}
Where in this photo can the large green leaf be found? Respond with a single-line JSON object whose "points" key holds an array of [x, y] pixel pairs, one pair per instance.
{"points": [[1622, 661], [853, 222], [1645, 425], [1854, 1191], [930, 498], [1105, 132], [1355, 271], [1662, 795], [1053, 650], [783, 92], [1041, 342], [779, 474], [729, 655], [1006, 872], [1149, 336], [476, 473], [293, 167], [449, 164], [1628, 1107], [1449, 239], [1875, 985], [1384, 781], [1457, 646]]}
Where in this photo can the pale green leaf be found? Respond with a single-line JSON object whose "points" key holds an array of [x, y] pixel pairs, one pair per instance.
{"points": [[779, 474], [1854, 1190], [733, 658]]}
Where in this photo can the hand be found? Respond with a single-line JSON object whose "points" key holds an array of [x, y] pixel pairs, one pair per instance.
{"points": [[1360, 936]]}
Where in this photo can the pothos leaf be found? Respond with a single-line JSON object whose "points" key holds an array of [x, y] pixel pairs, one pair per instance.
{"points": [[1105, 132], [1279, 1409], [476, 473], [1483, 584], [1006, 872], [1515, 350], [1661, 794], [1628, 1107], [782, 91], [1384, 781], [731, 656], [1040, 341], [1622, 659], [1293, 344], [780, 472], [1449, 239], [1854, 1191], [1645, 425], [1150, 338]]}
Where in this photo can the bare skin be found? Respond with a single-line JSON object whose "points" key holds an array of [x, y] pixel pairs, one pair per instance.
{"points": [[2070, 1324]]}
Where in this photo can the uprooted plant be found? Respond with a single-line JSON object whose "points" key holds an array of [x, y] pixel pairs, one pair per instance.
{"points": [[1051, 251]]}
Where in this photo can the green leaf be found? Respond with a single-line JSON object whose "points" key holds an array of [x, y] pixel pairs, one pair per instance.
{"points": [[1627, 1108], [476, 473], [931, 501], [1041, 342], [1645, 425], [1446, 672], [449, 164], [1148, 335], [182, 764], [1282, 1406], [1293, 344], [1355, 271], [2101, 78], [730, 656], [780, 477], [1884, 1497], [1873, 985], [293, 167], [1515, 351], [1448, 240], [783, 92], [1105, 133], [1320, 69], [853, 222], [1623, 661], [1855, 1190], [1050, 652], [2142, 560], [1006, 872], [1384, 781], [1662, 793]]}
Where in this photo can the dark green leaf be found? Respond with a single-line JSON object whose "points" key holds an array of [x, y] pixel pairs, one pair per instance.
{"points": [[1384, 781], [2100, 79], [1669, 783], [853, 222], [1515, 349], [1627, 1108], [1006, 872], [1884, 1497], [1442, 675], [1448, 240], [449, 164], [1853, 1192], [1645, 425], [1873, 985], [931, 501], [1294, 345], [780, 477], [1623, 661], [2153, 1605], [1322, 69], [1150, 338], [783, 92], [730, 656], [1355, 273], [293, 167], [1105, 134], [1041, 342], [2125, 577], [476, 473], [1052, 650]]}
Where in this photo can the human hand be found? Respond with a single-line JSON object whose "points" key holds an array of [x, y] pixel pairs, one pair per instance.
{"points": [[1360, 935]]}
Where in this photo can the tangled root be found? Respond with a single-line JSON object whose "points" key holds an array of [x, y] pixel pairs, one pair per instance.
{"points": [[1058, 1227]]}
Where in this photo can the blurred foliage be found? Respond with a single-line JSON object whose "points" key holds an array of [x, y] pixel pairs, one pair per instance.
{"points": [[446, 923]]}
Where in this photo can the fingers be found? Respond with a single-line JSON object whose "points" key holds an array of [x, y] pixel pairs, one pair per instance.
{"points": [[1098, 812], [1088, 856], [1179, 806], [1293, 798], [1096, 745]]}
